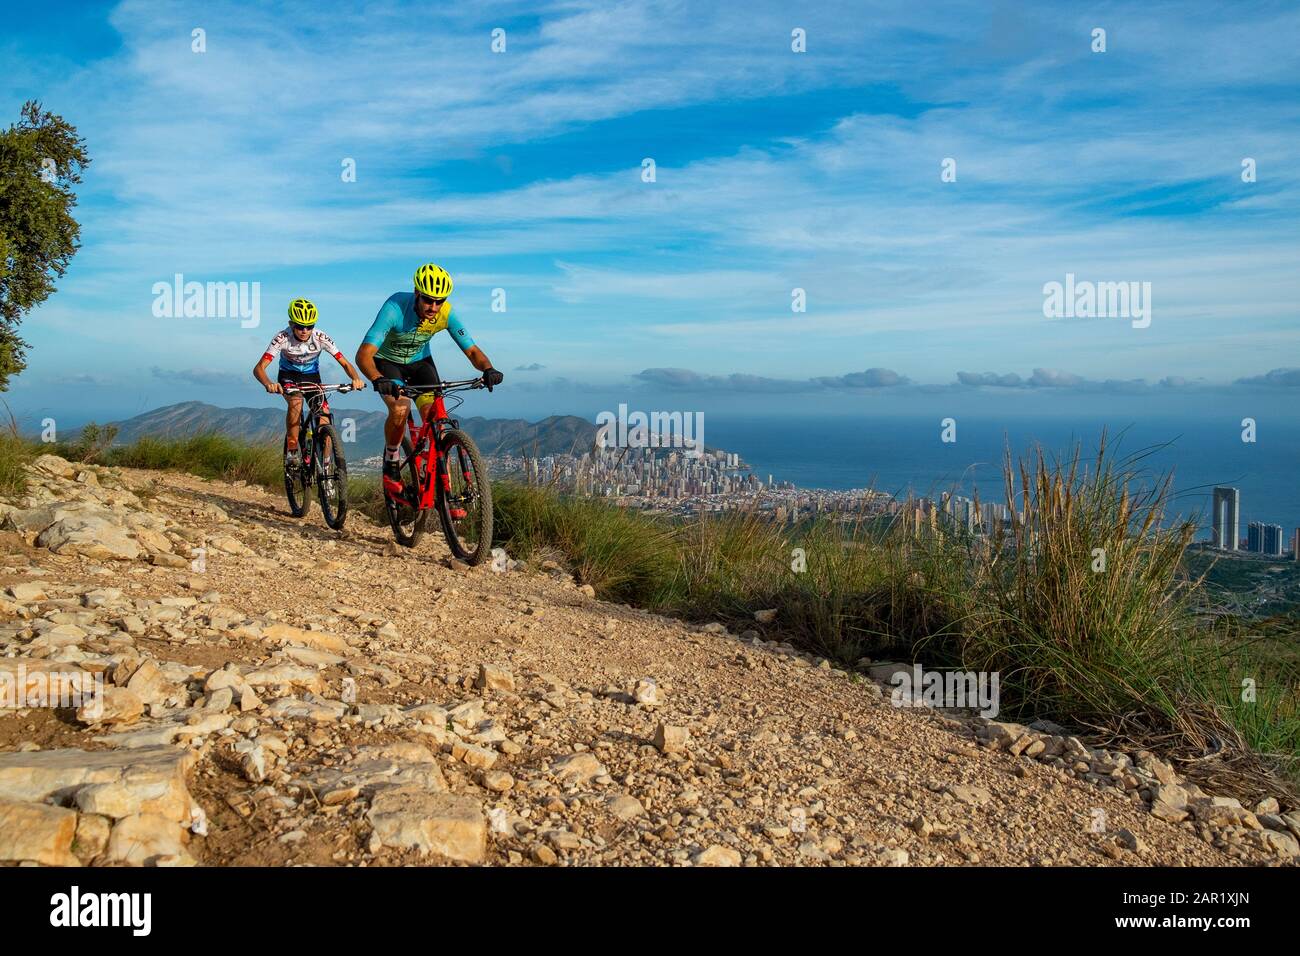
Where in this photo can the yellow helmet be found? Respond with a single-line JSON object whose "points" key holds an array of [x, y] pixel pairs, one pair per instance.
{"points": [[433, 281], [302, 312]]}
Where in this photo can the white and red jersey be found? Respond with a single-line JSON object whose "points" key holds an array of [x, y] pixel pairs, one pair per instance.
{"points": [[298, 356]]}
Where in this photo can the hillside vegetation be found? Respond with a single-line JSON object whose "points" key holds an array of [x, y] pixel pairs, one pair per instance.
{"points": [[1125, 650], [557, 434]]}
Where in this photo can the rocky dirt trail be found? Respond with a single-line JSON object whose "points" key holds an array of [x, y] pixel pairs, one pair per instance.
{"points": [[276, 693]]}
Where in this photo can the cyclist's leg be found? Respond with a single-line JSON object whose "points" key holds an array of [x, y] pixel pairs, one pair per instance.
{"points": [[395, 425], [423, 372], [293, 413], [398, 408]]}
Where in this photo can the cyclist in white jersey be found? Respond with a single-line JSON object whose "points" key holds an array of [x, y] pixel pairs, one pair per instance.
{"points": [[299, 348]]}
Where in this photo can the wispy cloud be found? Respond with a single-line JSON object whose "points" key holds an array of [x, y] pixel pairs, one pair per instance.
{"points": [[1048, 378], [871, 378], [196, 377], [1009, 380], [521, 171], [684, 380], [1286, 377], [680, 379]]}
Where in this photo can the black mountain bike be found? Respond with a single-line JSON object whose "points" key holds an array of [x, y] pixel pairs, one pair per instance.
{"points": [[322, 462]]}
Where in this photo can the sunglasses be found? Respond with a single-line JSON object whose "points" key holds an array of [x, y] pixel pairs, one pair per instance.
{"points": [[299, 328], [426, 300]]}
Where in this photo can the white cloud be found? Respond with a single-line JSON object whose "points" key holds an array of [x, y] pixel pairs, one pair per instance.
{"points": [[225, 165]]}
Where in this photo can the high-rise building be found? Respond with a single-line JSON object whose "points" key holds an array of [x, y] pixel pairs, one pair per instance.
{"points": [[1227, 518], [961, 509], [1272, 543], [1255, 537], [1295, 545], [993, 515]]}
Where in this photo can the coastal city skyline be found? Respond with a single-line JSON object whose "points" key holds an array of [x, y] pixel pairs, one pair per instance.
{"points": [[1261, 537], [666, 480]]}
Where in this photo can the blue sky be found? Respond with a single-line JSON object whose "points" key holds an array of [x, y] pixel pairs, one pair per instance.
{"points": [[776, 170]]}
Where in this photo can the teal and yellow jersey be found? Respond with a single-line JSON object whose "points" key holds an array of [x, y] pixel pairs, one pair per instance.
{"points": [[401, 336]]}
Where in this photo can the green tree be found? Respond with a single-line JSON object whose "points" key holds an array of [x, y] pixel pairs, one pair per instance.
{"points": [[41, 158]]}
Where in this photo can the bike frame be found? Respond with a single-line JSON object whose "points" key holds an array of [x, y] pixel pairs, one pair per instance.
{"points": [[430, 455], [314, 405]]}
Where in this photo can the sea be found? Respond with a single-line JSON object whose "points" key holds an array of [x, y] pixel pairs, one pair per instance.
{"points": [[902, 455]]}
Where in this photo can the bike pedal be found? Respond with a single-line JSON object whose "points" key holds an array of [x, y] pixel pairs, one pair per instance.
{"points": [[458, 513], [392, 487]]}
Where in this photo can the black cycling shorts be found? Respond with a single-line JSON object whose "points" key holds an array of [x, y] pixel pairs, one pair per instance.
{"points": [[299, 378], [289, 375], [422, 372]]}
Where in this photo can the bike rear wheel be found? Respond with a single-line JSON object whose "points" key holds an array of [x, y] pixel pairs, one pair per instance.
{"points": [[295, 486], [405, 516], [465, 500], [331, 477]]}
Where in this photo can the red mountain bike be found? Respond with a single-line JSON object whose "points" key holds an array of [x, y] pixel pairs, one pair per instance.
{"points": [[441, 468]]}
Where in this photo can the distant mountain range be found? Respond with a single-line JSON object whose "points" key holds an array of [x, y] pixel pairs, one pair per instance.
{"points": [[558, 434]]}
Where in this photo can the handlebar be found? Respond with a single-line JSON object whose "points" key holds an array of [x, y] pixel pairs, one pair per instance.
{"points": [[412, 390], [313, 387]]}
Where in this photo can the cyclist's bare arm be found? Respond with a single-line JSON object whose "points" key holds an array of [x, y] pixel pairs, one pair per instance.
{"points": [[259, 373], [357, 381], [366, 361], [478, 358]]}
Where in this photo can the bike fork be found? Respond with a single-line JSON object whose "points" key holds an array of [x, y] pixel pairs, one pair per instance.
{"points": [[456, 512]]}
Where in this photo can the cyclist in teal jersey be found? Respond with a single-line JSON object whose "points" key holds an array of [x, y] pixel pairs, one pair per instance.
{"points": [[395, 351]]}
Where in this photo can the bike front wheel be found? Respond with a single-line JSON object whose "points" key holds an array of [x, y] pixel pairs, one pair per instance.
{"points": [[404, 514], [464, 498], [331, 477], [295, 486]]}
